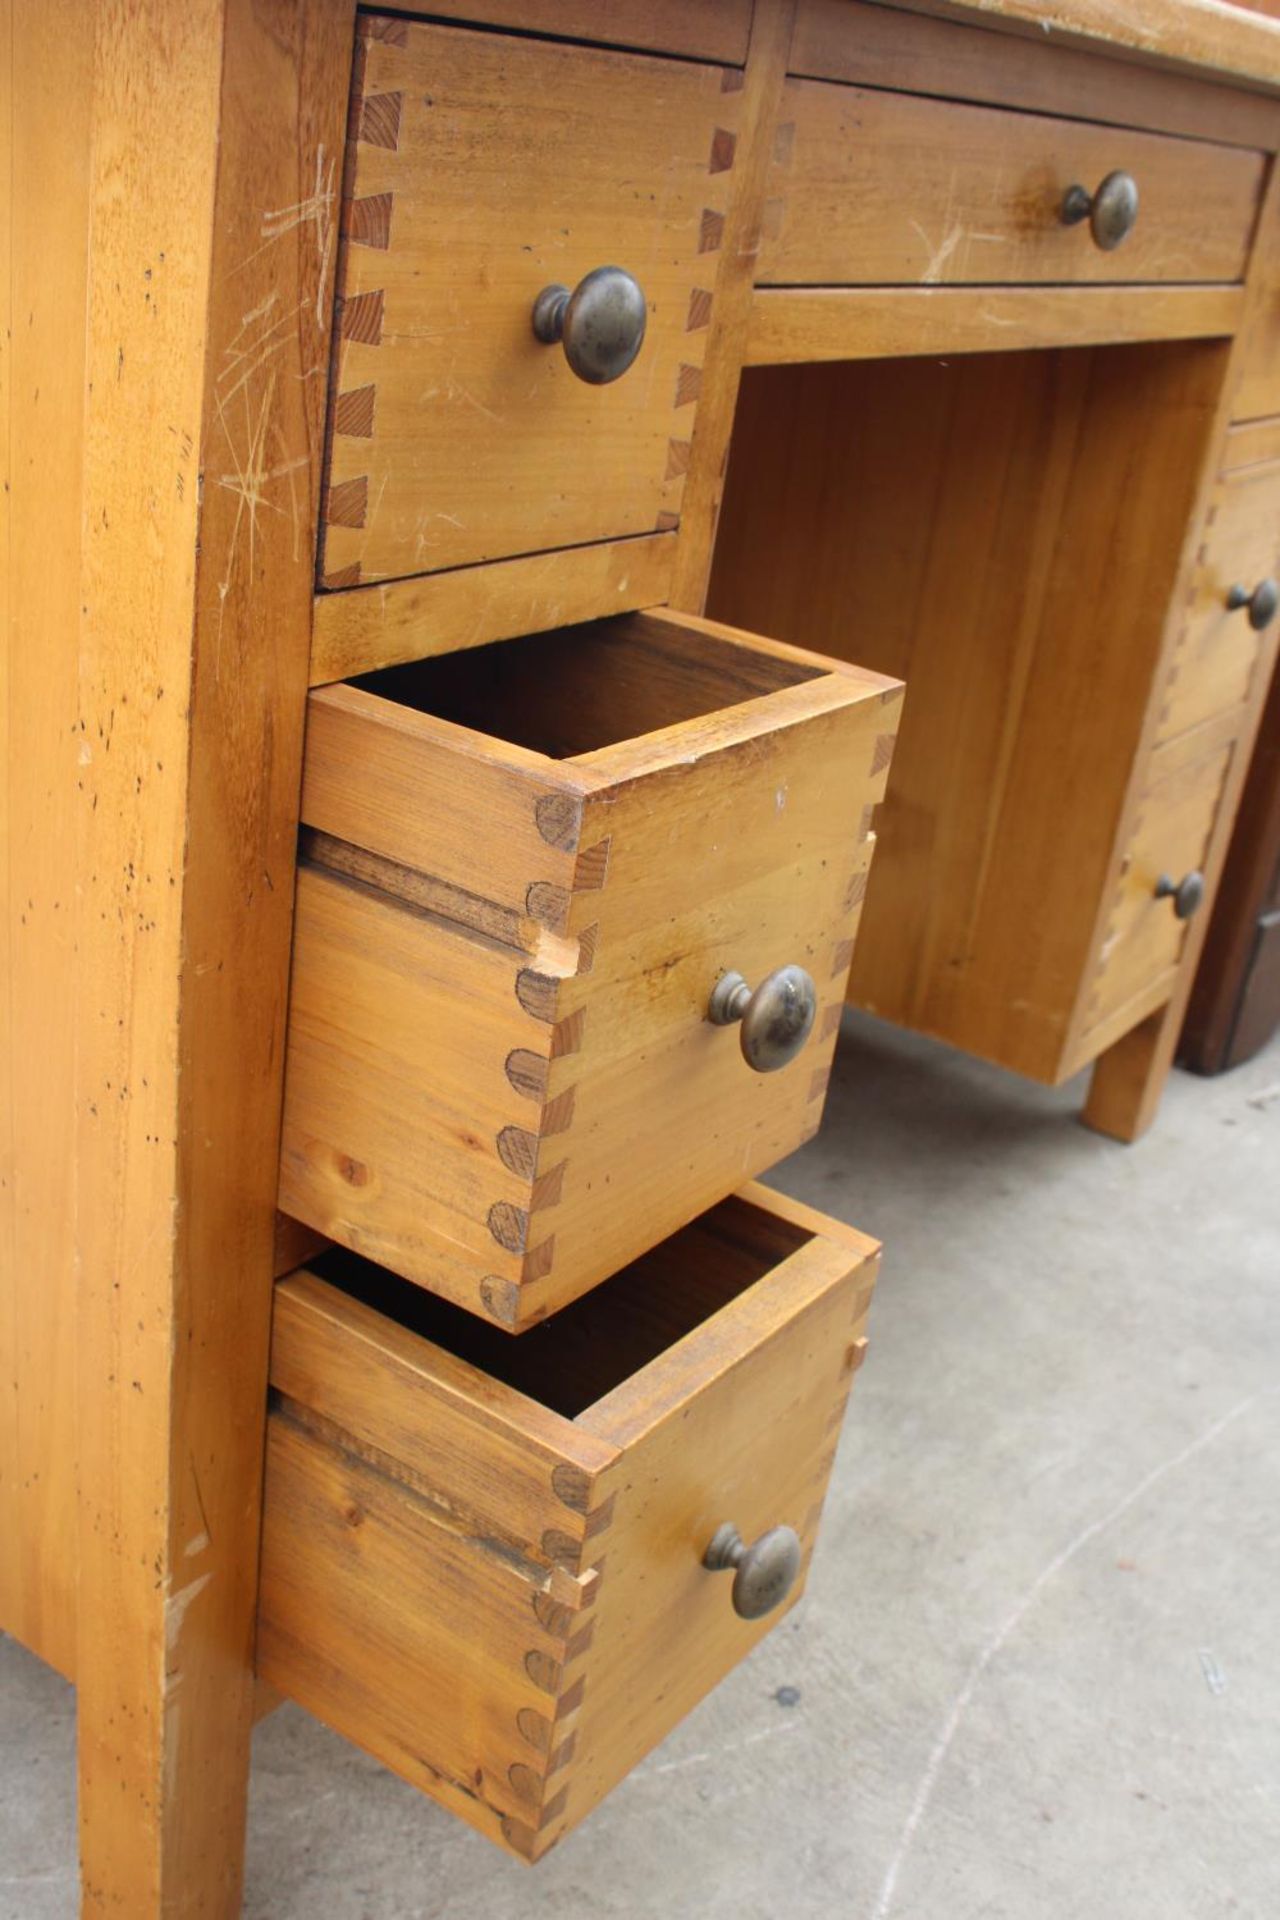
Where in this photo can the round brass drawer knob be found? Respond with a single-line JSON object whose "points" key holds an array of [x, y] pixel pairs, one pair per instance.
{"points": [[776, 1019], [763, 1573], [1111, 211], [1262, 603], [600, 323], [1186, 894]]}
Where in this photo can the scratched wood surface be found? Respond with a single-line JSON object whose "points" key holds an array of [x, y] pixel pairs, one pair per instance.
{"points": [[210, 283], [496, 1588], [501, 1079], [963, 59], [1211, 38], [872, 188], [484, 167]]}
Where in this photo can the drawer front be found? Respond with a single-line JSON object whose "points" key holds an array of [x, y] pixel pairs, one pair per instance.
{"points": [[502, 1080], [483, 168], [486, 1566], [1143, 944], [873, 188], [1223, 644]]}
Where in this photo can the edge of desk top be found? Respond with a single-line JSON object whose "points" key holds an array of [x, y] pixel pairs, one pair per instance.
{"points": [[1210, 37]]}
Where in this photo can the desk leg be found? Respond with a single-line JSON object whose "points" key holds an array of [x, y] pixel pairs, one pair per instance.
{"points": [[1128, 1079], [214, 187]]}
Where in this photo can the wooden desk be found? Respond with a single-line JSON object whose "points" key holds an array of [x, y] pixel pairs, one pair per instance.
{"points": [[1049, 570]]}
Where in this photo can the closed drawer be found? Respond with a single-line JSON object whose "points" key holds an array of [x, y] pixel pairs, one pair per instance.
{"points": [[1176, 818], [1235, 597], [525, 871], [483, 1558], [482, 168], [886, 188]]}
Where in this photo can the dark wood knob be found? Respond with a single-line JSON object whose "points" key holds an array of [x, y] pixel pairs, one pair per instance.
{"points": [[763, 1573], [600, 324], [1262, 603], [1186, 894], [776, 1019], [1111, 211]]}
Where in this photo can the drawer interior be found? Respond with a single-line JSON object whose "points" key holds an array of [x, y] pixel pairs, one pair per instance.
{"points": [[597, 1343], [580, 688]]}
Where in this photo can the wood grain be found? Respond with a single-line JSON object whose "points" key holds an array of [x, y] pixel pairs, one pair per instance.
{"points": [[519, 163], [882, 188], [357, 632], [1258, 393], [711, 30], [414, 1595], [488, 1026], [46, 64], [1127, 1080], [1235, 1006], [210, 273], [963, 59], [729, 316], [1058, 491], [792, 325], [1218, 652], [1144, 939], [1209, 37]]}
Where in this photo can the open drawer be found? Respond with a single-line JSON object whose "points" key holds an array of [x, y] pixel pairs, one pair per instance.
{"points": [[528, 872], [484, 1559]]}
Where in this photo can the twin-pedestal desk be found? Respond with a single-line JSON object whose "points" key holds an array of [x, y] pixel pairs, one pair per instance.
{"points": [[585, 419]]}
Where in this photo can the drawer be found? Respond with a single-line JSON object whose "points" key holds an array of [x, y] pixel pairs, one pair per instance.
{"points": [[526, 870], [483, 1558], [884, 188], [1176, 818], [1235, 596], [481, 169]]}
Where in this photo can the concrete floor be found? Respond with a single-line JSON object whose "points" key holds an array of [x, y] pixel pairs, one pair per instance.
{"points": [[1037, 1672]]}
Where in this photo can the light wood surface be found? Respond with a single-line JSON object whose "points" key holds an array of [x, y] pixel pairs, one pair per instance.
{"points": [[151, 192], [985, 529], [174, 179], [708, 30], [46, 69], [884, 188], [456, 436], [1258, 393], [963, 59], [499, 997], [358, 632], [192, 638], [771, 30], [1144, 940], [1218, 650], [1128, 1079], [1212, 38], [791, 325], [482, 1558]]}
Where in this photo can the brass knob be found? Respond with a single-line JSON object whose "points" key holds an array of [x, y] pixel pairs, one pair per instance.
{"points": [[776, 1019], [1186, 894], [1111, 211], [763, 1573], [600, 324], [1262, 603]]}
